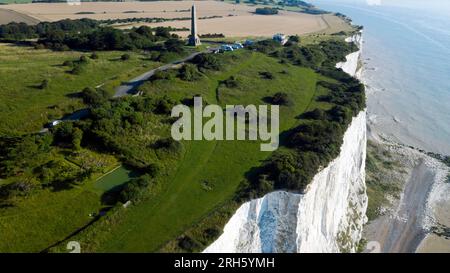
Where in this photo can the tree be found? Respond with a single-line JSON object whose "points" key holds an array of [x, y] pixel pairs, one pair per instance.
{"points": [[281, 98], [174, 45], [94, 56], [162, 32], [77, 135], [63, 133], [189, 72], [135, 188], [92, 97]]}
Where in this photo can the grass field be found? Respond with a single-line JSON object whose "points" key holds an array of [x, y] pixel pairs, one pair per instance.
{"points": [[26, 108], [221, 165], [42, 219]]}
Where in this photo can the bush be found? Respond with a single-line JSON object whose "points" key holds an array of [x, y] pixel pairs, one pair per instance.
{"points": [[294, 38], [125, 57], [163, 75], [77, 70], [280, 98], [266, 11], [94, 56], [93, 97], [267, 75], [83, 59], [207, 61], [67, 63], [317, 114], [231, 82], [135, 189], [164, 105], [188, 244], [44, 84], [189, 72], [168, 144]]}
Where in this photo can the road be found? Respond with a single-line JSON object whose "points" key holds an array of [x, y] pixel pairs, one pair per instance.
{"points": [[130, 87]]}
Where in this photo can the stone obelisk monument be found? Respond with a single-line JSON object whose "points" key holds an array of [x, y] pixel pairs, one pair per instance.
{"points": [[194, 40]]}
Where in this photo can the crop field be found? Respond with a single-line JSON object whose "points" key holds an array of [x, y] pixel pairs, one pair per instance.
{"points": [[232, 20]]}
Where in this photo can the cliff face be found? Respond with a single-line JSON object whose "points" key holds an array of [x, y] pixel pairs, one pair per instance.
{"points": [[329, 217]]}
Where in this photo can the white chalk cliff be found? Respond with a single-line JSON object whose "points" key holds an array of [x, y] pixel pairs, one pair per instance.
{"points": [[328, 217]]}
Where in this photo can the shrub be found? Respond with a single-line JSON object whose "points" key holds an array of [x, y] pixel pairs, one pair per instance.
{"points": [[44, 84], [77, 70], [125, 57], [164, 105], [231, 82], [267, 75], [67, 63], [207, 61], [134, 189], [83, 59], [94, 56], [189, 72], [294, 39], [168, 144], [266, 11], [280, 98], [93, 97], [188, 244], [317, 114], [163, 75]]}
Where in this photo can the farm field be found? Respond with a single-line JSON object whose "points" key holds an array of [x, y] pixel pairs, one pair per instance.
{"points": [[7, 16], [230, 19]]}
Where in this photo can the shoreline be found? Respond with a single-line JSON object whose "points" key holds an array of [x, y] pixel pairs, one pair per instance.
{"points": [[408, 225]]}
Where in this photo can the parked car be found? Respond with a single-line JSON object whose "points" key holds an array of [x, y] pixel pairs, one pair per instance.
{"points": [[224, 48], [237, 46], [248, 43]]}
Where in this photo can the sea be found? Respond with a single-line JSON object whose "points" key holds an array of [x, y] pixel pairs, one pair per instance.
{"points": [[406, 55]]}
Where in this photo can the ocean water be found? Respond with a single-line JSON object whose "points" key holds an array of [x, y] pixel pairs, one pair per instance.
{"points": [[406, 55]]}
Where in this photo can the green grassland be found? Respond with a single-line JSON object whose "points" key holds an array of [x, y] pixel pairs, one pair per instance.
{"points": [[208, 173], [33, 222], [26, 108]]}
